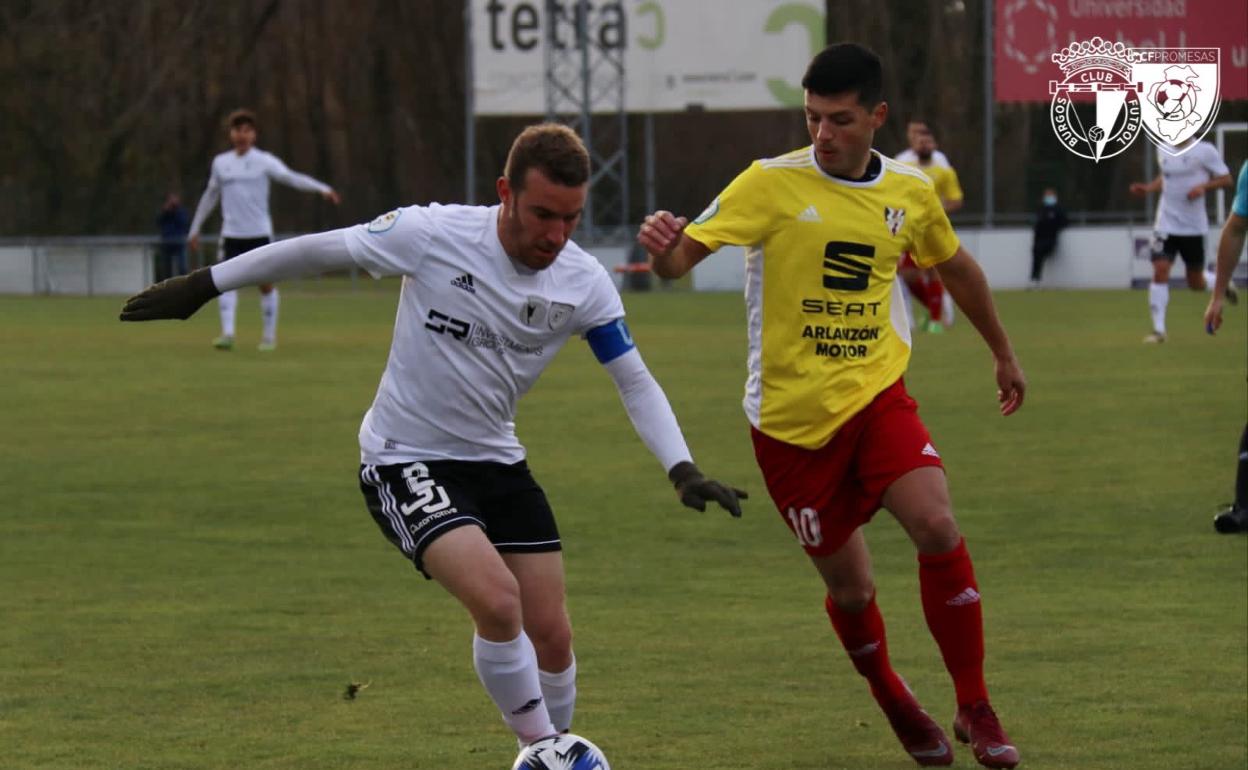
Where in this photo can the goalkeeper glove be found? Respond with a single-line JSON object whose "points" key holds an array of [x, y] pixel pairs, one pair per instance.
{"points": [[695, 489], [177, 297]]}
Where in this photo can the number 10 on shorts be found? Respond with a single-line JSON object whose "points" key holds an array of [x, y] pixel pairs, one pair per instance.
{"points": [[805, 525]]}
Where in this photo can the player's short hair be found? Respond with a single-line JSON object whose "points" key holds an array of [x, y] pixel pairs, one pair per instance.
{"points": [[240, 117], [844, 67], [552, 148]]}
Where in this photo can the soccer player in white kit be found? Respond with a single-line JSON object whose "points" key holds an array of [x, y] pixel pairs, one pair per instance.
{"points": [[1181, 223], [489, 296], [240, 180]]}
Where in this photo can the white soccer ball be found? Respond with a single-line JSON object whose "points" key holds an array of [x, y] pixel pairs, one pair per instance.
{"points": [[561, 752]]}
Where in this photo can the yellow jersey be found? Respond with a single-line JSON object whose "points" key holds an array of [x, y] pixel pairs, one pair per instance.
{"points": [[944, 179], [827, 329]]}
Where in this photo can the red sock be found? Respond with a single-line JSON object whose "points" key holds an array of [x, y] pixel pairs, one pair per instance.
{"points": [[862, 634], [933, 297], [955, 618]]}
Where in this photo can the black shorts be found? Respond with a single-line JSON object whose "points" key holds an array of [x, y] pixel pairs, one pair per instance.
{"points": [[415, 503], [232, 247], [1190, 247]]}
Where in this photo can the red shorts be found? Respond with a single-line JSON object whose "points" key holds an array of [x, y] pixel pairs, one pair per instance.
{"points": [[825, 494]]}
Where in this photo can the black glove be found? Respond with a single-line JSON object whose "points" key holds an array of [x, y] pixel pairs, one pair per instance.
{"points": [[695, 489], [177, 297]]}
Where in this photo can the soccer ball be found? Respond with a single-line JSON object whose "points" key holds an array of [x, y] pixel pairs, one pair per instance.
{"points": [[1174, 99], [561, 752]]}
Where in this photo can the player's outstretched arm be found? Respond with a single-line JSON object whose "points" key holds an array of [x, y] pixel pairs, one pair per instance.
{"points": [[1230, 246], [969, 288], [652, 417], [180, 297], [672, 254]]}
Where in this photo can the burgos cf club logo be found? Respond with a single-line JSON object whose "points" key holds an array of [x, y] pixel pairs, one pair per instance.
{"points": [[1102, 71], [1111, 92]]}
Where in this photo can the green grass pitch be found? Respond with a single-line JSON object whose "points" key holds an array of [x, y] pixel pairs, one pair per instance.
{"points": [[189, 579]]}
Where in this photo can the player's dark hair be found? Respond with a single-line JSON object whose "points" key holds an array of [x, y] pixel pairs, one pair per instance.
{"points": [[552, 148], [241, 118], [844, 67]]}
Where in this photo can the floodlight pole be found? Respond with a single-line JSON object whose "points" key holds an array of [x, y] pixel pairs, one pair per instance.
{"points": [[470, 117], [989, 122], [582, 79]]}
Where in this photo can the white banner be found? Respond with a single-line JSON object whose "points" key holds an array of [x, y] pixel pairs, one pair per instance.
{"points": [[709, 54]]}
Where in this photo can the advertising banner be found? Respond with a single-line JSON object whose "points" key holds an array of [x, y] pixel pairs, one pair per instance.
{"points": [[1030, 32], [678, 54]]}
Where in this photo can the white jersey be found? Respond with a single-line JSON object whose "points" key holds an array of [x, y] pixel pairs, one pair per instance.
{"points": [[473, 332], [910, 157], [241, 182], [1176, 215]]}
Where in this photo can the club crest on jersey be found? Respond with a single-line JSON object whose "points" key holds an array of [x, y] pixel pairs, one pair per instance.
{"points": [[708, 212], [558, 315], [534, 311], [384, 222], [894, 218]]}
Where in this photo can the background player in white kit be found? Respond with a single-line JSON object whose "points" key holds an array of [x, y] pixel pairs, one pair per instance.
{"points": [[489, 296], [240, 180], [1181, 223]]}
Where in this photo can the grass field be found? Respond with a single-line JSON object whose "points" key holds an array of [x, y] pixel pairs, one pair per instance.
{"points": [[190, 579]]}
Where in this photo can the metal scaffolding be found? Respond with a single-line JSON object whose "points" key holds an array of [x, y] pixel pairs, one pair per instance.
{"points": [[585, 90]]}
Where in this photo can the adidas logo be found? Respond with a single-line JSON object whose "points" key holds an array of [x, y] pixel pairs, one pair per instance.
{"points": [[930, 451], [809, 214], [968, 596], [526, 708], [465, 282]]}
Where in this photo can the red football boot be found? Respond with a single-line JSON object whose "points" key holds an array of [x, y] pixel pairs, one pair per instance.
{"points": [[919, 734], [978, 725]]}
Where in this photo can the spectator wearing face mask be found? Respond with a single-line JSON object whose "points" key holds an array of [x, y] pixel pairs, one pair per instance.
{"points": [[1050, 221]]}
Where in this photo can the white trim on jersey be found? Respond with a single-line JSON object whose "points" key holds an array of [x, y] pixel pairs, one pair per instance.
{"points": [[754, 330]]}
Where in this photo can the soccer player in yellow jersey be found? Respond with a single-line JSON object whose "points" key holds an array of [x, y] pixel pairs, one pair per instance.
{"points": [[925, 283], [835, 434]]}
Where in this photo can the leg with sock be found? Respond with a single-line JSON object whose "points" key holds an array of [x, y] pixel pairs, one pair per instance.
{"points": [[951, 605], [855, 616], [226, 304], [559, 689], [268, 314], [508, 671], [1234, 518], [862, 635], [1158, 299]]}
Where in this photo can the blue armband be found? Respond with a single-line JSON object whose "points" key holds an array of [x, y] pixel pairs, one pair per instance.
{"points": [[610, 341]]}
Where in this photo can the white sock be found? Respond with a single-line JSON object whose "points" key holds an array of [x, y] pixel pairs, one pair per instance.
{"points": [[560, 692], [1158, 298], [268, 312], [946, 308], [508, 670], [226, 304], [1210, 279]]}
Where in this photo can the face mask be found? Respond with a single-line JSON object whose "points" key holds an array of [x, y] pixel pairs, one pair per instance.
{"points": [[1050, 200]]}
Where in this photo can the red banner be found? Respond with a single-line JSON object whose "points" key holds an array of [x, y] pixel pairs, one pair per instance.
{"points": [[1029, 32]]}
